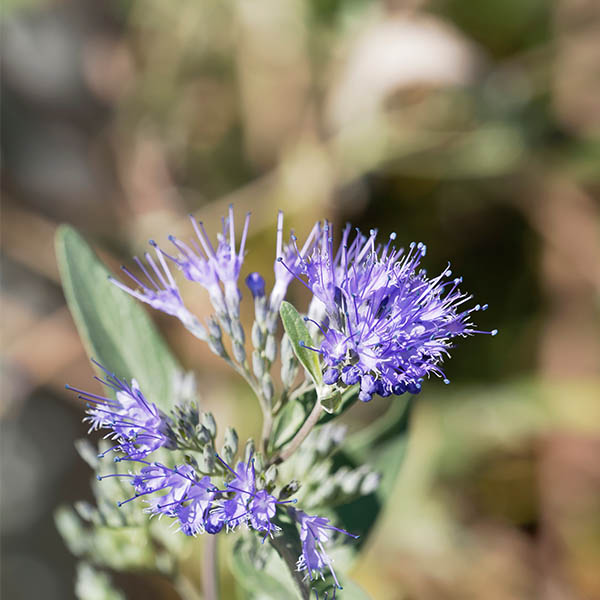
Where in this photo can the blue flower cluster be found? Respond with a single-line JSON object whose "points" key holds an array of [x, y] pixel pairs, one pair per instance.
{"points": [[197, 504], [382, 325], [385, 324], [314, 532], [137, 425]]}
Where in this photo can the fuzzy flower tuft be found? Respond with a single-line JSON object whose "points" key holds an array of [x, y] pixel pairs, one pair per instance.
{"points": [[314, 533], [158, 289], [212, 266], [135, 423], [199, 506], [385, 325]]}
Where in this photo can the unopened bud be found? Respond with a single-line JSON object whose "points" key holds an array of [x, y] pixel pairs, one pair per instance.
{"points": [[227, 454], [239, 352], [351, 483], [370, 483], [256, 285], [260, 310], [259, 462], [272, 321], [271, 475], [267, 388], [289, 489], [206, 461], [203, 435], [248, 450], [271, 348], [231, 439], [258, 336], [208, 421], [238, 331], [258, 364], [216, 346], [213, 328]]}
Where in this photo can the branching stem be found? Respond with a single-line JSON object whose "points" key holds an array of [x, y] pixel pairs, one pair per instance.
{"points": [[301, 435]]}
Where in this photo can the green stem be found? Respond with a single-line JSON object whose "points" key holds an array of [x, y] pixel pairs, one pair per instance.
{"points": [[301, 435]]}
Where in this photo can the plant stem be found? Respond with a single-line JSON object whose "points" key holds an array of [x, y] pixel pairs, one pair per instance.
{"points": [[210, 579], [303, 432]]}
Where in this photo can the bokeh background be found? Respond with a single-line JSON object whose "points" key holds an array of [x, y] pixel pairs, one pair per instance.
{"points": [[472, 126]]}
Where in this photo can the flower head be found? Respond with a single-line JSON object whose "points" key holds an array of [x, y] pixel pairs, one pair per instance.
{"points": [[314, 533], [158, 289], [246, 504], [210, 266], [135, 423], [384, 323], [186, 498]]}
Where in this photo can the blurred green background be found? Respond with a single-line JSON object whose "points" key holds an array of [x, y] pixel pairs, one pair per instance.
{"points": [[472, 126]]}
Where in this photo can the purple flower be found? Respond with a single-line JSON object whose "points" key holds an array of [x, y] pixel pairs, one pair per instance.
{"points": [[210, 266], [314, 532], [384, 323], [289, 262], [247, 505], [159, 290], [186, 498], [136, 424], [197, 504], [192, 515]]}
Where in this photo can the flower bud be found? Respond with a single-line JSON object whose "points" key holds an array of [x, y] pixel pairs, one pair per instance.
{"points": [[267, 388], [238, 331], [206, 459], [289, 489], [258, 364], [213, 328], [231, 439], [271, 348], [248, 450], [271, 475], [258, 336], [256, 285], [239, 352], [209, 422]]}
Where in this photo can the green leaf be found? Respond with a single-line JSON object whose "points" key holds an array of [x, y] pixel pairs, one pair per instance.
{"points": [[299, 336], [290, 419], [115, 329], [348, 399], [260, 571], [382, 445], [332, 402]]}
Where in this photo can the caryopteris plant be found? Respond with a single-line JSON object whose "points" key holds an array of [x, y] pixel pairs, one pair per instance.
{"points": [[303, 493]]}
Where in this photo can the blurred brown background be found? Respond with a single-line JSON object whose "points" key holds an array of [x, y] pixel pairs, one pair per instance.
{"points": [[472, 126]]}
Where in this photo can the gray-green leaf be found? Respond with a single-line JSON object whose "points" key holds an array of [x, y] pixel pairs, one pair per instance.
{"points": [[300, 337], [115, 330]]}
